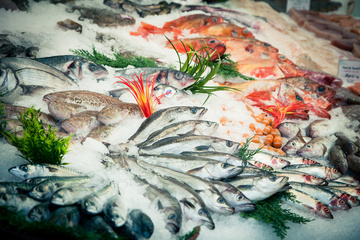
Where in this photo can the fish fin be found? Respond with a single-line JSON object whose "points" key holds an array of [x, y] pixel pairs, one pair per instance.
{"points": [[160, 206], [194, 170], [202, 148], [187, 203]]}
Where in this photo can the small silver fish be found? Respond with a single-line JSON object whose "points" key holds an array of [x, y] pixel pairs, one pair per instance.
{"points": [[316, 148], [115, 210]]}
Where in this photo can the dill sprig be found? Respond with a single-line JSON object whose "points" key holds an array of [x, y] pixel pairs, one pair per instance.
{"points": [[119, 60], [270, 211], [191, 235], [245, 153], [2, 120], [38, 144]]}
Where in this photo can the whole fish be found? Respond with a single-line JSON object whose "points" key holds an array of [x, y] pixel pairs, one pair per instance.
{"points": [[324, 78], [15, 187], [93, 203], [100, 133], [21, 75], [211, 196], [25, 171], [259, 165], [295, 176], [197, 166], [257, 188], [21, 202], [331, 200], [320, 128], [200, 143], [81, 123], [354, 164], [163, 117], [218, 156], [208, 47], [68, 216], [44, 190], [308, 203], [40, 212], [90, 100], [99, 225], [62, 111], [115, 210], [346, 180], [347, 145], [75, 67], [327, 173], [114, 113], [316, 148], [182, 128], [70, 195], [172, 77], [140, 223], [223, 29], [337, 158], [165, 203], [272, 161], [294, 144], [288, 129], [234, 197], [353, 191], [299, 160], [350, 200]]}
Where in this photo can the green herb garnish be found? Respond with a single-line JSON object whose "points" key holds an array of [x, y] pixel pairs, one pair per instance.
{"points": [[38, 144], [245, 153], [271, 212], [2, 120], [119, 60]]}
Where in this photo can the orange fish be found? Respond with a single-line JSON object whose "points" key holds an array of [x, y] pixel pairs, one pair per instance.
{"points": [[177, 25], [203, 45], [223, 29]]}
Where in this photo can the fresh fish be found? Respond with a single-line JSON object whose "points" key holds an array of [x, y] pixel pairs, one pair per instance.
{"points": [[44, 190], [70, 195], [165, 203], [337, 158], [25, 171], [166, 116], [81, 123], [345, 98], [211, 196], [196, 166], [90, 100], [37, 180], [346, 180], [219, 156], [66, 216], [331, 200], [99, 225], [75, 67], [350, 200], [320, 171], [169, 92], [182, 128], [223, 29], [258, 188], [316, 148], [40, 212], [100, 133], [172, 77], [255, 171], [140, 223], [295, 176], [69, 24], [115, 210], [21, 75], [15, 187], [354, 163], [116, 112], [294, 144], [288, 129], [93, 203], [259, 165], [308, 203], [299, 160], [320, 128], [20, 202], [353, 191], [347, 145], [234, 197], [62, 111], [272, 161], [200, 143]]}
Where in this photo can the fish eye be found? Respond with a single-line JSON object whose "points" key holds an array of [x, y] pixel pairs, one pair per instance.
{"points": [[311, 161], [246, 31], [267, 45], [225, 165], [273, 178], [320, 89], [293, 144], [193, 110], [202, 212], [212, 41], [239, 197], [298, 98], [352, 198], [281, 160], [335, 170], [245, 163], [308, 146], [326, 210], [92, 67], [179, 75], [234, 33], [208, 123], [341, 201], [23, 168], [313, 177], [172, 216], [229, 143], [286, 124], [220, 200], [215, 20], [282, 57]]}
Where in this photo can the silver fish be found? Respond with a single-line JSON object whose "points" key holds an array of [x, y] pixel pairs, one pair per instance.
{"points": [[115, 210], [181, 128], [350, 200], [40, 212], [140, 223], [294, 144], [25, 171], [210, 195], [20, 202], [288, 129], [234, 197], [20, 75], [319, 128], [61, 110], [325, 172], [99, 225], [166, 116], [82, 123], [175, 78], [15, 187], [219, 156], [44, 190], [100, 133], [346, 180], [337, 158], [299, 160], [75, 67], [68, 216], [353, 191], [70, 195], [200, 143], [164, 92], [316, 148], [259, 188], [295, 176], [116, 112], [273, 161]]}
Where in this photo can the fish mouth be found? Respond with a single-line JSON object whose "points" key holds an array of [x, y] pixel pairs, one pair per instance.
{"points": [[172, 227], [209, 224]]}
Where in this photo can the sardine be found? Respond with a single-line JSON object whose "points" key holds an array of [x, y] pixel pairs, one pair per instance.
{"points": [[337, 158], [140, 223], [346, 180], [99, 225], [350, 200], [115, 210], [163, 117], [68, 216], [25, 171], [21, 202], [200, 143], [327, 173], [353, 191], [316, 148], [75, 67], [61, 110], [40, 212], [182, 128], [70, 195]]}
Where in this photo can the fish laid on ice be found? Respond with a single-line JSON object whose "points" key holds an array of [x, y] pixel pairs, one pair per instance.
{"points": [[69, 24], [288, 129], [68, 216], [62, 111], [90, 100], [99, 225], [15, 187], [350, 200], [219, 156], [114, 113], [223, 29], [100, 133], [21, 202], [316, 148], [327, 173], [272, 161], [140, 224], [347, 145], [294, 144], [70, 195], [40, 212], [295, 176], [319, 128], [21, 75], [81, 123], [354, 163], [337, 158], [163, 117], [26, 171], [75, 67], [345, 180], [115, 210], [299, 160]]}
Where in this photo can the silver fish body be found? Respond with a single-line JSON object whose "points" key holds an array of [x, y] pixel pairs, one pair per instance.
{"points": [[218, 156], [349, 199], [68, 216], [295, 176], [115, 210], [62, 111], [20, 202], [70, 195], [272, 161], [337, 158], [327, 173], [316, 148], [40, 212]]}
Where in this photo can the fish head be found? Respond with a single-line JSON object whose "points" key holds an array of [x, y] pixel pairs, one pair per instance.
{"points": [[279, 162], [317, 127], [352, 201], [288, 129], [312, 149], [216, 202], [237, 200], [23, 171], [39, 212], [196, 211], [173, 219], [62, 197], [293, 145], [332, 173], [313, 180], [42, 191], [91, 204], [206, 127], [270, 183], [196, 112], [211, 20], [212, 48], [323, 211], [8, 81], [336, 203], [175, 78], [309, 161]]}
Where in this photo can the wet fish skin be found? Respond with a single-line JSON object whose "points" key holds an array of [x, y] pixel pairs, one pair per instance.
{"points": [[273, 161], [82, 123], [70, 195], [21, 202], [316, 148], [347, 145], [325, 172], [68, 216], [350, 200], [337, 158], [100, 133], [62, 111], [116, 112], [294, 144], [99, 225], [288, 129], [115, 210], [140, 223], [40, 212]]}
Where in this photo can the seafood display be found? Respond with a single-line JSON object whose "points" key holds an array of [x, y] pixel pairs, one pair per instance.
{"points": [[149, 157]]}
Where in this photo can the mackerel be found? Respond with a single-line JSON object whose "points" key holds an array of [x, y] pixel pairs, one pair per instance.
{"points": [[15, 187]]}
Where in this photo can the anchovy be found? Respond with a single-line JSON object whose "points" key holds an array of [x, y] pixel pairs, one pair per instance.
{"points": [[346, 180], [163, 117], [68, 216], [115, 210], [327, 173], [299, 160], [21, 202]]}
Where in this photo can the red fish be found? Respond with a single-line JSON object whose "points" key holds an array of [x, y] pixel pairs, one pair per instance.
{"points": [[223, 29]]}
